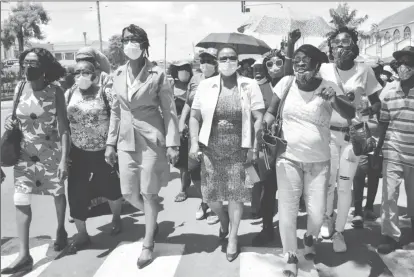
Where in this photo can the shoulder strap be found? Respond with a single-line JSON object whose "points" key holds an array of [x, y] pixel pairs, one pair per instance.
{"points": [[16, 102], [71, 91], [341, 86], [106, 102], [283, 100]]}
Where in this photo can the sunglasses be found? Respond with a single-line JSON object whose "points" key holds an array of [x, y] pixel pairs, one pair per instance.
{"points": [[84, 73], [278, 63], [305, 60], [131, 39], [230, 58], [345, 42], [207, 61], [31, 63]]}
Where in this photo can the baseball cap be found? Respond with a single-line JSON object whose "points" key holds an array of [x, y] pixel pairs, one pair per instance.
{"points": [[210, 51]]}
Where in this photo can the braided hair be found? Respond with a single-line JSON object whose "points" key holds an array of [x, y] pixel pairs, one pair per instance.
{"points": [[140, 34]]}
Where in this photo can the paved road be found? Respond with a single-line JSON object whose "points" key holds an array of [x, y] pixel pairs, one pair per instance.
{"points": [[187, 247]]}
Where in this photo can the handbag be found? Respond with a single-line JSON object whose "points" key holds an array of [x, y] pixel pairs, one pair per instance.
{"points": [[358, 138], [273, 144], [11, 139]]}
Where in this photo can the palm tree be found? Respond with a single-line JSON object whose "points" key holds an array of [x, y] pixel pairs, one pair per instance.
{"points": [[23, 24], [343, 16]]}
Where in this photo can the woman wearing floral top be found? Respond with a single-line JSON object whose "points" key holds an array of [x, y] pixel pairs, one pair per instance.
{"points": [[88, 107]]}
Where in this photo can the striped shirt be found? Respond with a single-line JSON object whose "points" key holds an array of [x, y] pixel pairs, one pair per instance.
{"points": [[398, 110]]}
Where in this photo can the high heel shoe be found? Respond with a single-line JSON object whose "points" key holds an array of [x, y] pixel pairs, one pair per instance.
{"points": [[231, 257], [222, 234], [61, 241], [24, 266], [141, 263], [75, 246], [116, 228]]}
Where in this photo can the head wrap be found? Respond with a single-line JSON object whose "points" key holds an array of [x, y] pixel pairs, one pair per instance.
{"points": [[91, 53]]}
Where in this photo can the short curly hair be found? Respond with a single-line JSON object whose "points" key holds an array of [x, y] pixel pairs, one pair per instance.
{"points": [[51, 67], [350, 31]]}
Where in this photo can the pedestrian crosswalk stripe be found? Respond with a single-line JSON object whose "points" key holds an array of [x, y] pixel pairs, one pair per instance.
{"points": [[269, 262], [123, 260], [39, 253]]}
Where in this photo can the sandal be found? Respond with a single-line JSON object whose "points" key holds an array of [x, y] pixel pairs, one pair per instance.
{"points": [[291, 268], [74, 247], [182, 196]]}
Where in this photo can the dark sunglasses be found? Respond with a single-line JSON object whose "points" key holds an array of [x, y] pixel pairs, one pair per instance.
{"points": [[305, 60], [84, 73], [230, 58], [345, 42], [279, 63], [31, 63]]}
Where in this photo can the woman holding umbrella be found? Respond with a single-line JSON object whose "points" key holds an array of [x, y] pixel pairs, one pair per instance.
{"points": [[227, 104]]}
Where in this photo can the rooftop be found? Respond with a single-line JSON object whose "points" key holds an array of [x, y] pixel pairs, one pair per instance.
{"points": [[402, 17]]}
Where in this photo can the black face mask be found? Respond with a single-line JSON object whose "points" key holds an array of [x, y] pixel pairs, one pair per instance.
{"points": [[33, 73]]}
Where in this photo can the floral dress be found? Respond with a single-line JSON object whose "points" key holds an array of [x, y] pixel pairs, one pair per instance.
{"points": [[36, 171]]}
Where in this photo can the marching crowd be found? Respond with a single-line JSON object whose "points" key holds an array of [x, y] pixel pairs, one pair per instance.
{"points": [[298, 122]]}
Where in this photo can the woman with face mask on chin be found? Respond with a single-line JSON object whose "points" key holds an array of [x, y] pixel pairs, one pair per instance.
{"points": [[304, 167], [144, 129], [208, 67], [227, 105], [88, 108], [42, 167], [358, 82]]}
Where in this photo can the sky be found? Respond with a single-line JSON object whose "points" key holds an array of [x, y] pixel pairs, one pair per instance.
{"points": [[187, 22]]}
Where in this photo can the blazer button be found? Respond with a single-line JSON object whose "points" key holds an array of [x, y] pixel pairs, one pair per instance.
{"points": [[47, 138], [33, 116], [38, 183]]}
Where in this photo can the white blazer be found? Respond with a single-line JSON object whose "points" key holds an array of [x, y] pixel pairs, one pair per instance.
{"points": [[206, 97]]}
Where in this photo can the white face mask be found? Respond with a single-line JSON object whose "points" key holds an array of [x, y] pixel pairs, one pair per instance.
{"points": [[207, 69], [183, 76], [228, 68], [132, 50], [84, 82]]}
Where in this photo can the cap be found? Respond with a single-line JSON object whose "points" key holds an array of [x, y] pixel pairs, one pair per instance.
{"points": [[210, 51], [408, 50]]}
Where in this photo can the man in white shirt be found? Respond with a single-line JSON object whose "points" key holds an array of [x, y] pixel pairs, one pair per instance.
{"points": [[358, 82]]}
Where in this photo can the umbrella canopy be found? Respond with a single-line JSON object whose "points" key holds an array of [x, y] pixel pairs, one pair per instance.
{"points": [[283, 21], [243, 43]]}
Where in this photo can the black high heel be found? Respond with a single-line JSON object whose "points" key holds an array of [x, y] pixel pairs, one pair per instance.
{"points": [[222, 234], [233, 256], [22, 267]]}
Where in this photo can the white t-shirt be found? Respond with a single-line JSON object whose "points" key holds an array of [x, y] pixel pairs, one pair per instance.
{"points": [[306, 120], [360, 79]]}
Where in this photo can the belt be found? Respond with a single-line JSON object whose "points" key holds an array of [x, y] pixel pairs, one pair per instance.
{"points": [[346, 129]]}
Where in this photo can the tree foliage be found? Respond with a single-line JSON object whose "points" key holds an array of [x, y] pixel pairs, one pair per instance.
{"points": [[115, 52], [23, 24]]}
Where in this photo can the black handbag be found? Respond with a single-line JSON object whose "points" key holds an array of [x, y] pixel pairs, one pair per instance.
{"points": [[11, 139], [273, 144]]}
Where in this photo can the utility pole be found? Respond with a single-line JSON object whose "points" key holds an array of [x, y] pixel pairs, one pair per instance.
{"points": [[84, 37], [165, 51], [99, 25]]}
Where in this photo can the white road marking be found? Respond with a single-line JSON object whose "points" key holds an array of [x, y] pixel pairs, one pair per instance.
{"points": [[124, 259], [38, 253], [269, 262]]}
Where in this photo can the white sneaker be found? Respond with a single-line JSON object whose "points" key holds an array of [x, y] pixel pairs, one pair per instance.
{"points": [[327, 228], [338, 242]]}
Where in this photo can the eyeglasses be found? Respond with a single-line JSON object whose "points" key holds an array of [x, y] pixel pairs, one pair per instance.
{"points": [[31, 63], [230, 58], [345, 42], [305, 59], [407, 62], [84, 73], [278, 63], [207, 61], [131, 39]]}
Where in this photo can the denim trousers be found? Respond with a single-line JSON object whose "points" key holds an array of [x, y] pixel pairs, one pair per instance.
{"points": [[295, 178]]}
